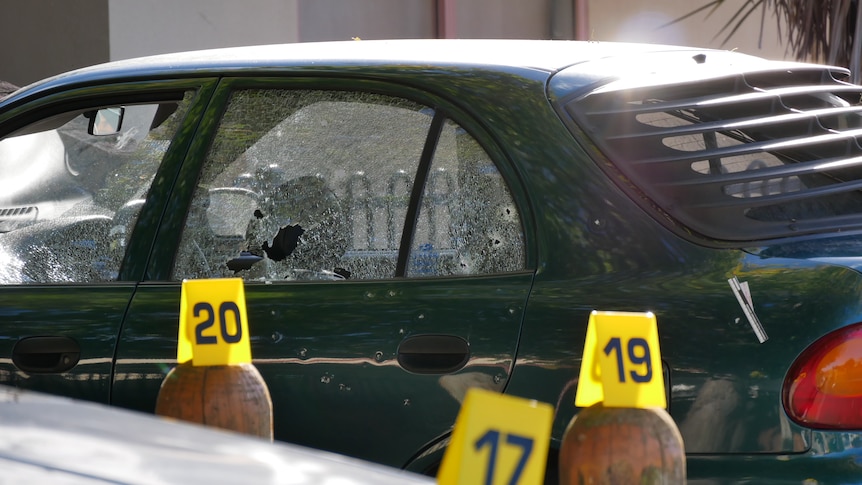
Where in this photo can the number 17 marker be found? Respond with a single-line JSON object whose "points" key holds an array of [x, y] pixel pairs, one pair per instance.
{"points": [[498, 440]]}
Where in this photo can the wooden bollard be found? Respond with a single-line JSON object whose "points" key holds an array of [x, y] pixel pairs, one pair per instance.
{"points": [[233, 397], [605, 446], [214, 382]]}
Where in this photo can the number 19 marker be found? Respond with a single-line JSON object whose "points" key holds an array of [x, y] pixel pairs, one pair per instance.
{"points": [[622, 362]]}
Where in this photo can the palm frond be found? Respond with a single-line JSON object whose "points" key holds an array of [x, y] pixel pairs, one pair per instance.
{"points": [[714, 4], [815, 29], [738, 19]]}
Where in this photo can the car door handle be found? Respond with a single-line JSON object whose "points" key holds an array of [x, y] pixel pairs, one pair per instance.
{"points": [[46, 355], [433, 354]]}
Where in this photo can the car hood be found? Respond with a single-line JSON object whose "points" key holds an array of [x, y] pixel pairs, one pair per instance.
{"points": [[48, 439]]}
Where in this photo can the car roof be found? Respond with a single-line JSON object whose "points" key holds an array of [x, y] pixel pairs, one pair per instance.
{"points": [[537, 58], [545, 55], [50, 439]]}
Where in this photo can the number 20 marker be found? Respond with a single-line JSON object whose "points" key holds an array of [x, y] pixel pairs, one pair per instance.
{"points": [[213, 324]]}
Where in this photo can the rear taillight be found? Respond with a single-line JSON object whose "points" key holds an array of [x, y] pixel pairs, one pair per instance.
{"points": [[823, 388]]}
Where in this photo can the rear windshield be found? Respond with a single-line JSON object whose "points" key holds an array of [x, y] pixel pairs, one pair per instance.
{"points": [[745, 156]]}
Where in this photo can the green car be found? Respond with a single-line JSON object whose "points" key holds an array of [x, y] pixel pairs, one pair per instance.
{"points": [[413, 219]]}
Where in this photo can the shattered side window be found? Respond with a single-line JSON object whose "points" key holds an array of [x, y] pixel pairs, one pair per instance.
{"points": [[468, 223], [304, 185], [69, 197], [315, 185]]}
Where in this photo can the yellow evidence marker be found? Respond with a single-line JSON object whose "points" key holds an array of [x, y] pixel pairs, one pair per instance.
{"points": [[622, 362], [498, 440], [213, 324]]}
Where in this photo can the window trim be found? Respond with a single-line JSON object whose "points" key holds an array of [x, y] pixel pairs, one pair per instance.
{"points": [[412, 217], [166, 245]]}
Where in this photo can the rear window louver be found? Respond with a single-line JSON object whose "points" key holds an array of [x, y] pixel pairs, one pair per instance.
{"points": [[743, 157]]}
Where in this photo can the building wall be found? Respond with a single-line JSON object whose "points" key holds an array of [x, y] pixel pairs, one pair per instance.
{"points": [[144, 27], [646, 21], [321, 20], [39, 40], [508, 19], [45, 37]]}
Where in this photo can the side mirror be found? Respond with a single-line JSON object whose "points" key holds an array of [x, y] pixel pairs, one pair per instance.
{"points": [[106, 121]]}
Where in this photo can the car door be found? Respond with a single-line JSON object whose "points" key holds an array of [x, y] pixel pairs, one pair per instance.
{"points": [[75, 176], [367, 334]]}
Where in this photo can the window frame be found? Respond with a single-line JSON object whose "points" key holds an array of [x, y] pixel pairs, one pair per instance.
{"points": [[161, 267], [133, 264]]}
